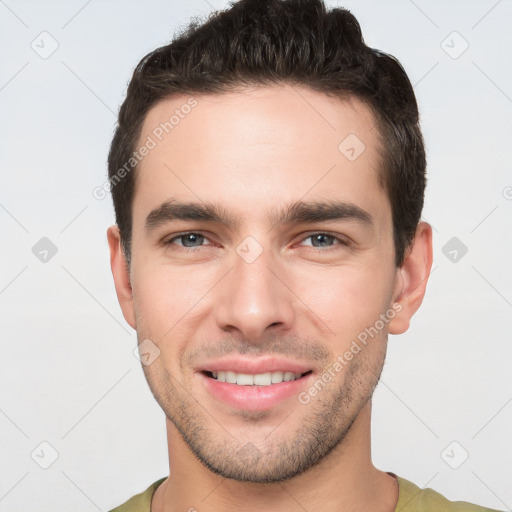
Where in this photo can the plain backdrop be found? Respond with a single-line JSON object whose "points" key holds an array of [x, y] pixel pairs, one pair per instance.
{"points": [[73, 396]]}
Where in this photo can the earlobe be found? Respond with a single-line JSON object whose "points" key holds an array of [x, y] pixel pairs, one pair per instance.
{"points": [[121, 275], [413, 277]]}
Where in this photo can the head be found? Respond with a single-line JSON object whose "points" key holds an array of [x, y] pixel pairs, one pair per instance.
{"points": [[273, 218]]}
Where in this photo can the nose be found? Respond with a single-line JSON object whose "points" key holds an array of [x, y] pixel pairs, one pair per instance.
{"points": [[254, 298]]}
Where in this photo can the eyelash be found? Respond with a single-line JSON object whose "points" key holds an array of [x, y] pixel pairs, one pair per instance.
{"points": [[342, 242]]}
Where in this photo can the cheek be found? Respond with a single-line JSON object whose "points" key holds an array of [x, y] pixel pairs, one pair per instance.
{"points": [[162, 296], [348, 299], [172, 302]]}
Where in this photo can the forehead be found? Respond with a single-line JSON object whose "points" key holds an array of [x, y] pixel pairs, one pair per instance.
{"points": [[259, 147]]}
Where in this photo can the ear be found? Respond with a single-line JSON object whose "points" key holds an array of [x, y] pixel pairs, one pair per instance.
{"points": [[121, 275], [412, 278]]}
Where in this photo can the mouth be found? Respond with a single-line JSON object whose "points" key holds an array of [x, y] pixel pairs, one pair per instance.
{"points": [[258, 379], [262, 391]]}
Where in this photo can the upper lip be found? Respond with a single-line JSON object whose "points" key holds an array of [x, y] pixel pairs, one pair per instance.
{"points": [[253, 366]]}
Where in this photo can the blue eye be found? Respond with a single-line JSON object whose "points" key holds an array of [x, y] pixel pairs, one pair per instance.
{"points": [[192, 240], [187, 239], [320, 240]]}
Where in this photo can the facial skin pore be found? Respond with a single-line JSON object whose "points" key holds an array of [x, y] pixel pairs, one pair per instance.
{"points": [[250, 155]]}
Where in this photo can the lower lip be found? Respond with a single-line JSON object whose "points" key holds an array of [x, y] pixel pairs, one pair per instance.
{"points": [[254, 398]]}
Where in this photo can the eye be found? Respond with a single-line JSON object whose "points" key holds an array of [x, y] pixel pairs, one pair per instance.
{"points": [[193, 240], [319, 240], [188, 240]]}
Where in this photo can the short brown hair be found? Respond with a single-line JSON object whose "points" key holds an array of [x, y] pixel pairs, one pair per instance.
{"points": [[266, 42]]}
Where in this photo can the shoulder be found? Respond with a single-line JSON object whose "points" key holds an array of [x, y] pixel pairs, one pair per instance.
{"points": [[413, 499], [140, 502]]}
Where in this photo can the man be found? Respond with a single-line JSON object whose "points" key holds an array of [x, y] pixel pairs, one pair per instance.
{"points": [[268, 174]]}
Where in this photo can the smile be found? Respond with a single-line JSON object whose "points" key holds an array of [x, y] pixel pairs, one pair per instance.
{"points": [[258, 379]]}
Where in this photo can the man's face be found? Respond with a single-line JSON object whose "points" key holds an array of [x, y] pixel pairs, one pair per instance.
{"points": [[258, 295]]}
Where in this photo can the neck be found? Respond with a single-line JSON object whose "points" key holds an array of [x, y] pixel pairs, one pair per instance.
{"points": [[344, 480]]}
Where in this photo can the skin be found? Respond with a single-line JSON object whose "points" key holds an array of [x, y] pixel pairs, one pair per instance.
{"points": [[251, 152]]}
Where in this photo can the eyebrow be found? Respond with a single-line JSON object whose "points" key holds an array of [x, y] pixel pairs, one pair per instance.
{"points": [[298, 212]]}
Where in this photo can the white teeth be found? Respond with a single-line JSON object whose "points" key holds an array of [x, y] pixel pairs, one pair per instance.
{"points": [[277, 377], [230, 377], [288, 376], [263, 379], [259, 379], [243, 379]]}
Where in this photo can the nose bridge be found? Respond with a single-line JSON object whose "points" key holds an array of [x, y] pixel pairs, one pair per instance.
{"points": [[252, 298]]}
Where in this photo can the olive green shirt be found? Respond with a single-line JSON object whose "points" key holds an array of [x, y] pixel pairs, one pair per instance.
{"points": [[410, 499]]}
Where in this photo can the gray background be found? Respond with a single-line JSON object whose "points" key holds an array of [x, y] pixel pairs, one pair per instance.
{"points": [[68, 374]]}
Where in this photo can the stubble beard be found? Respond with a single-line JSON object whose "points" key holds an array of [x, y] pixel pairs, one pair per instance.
{"points": [[323, 424]]}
